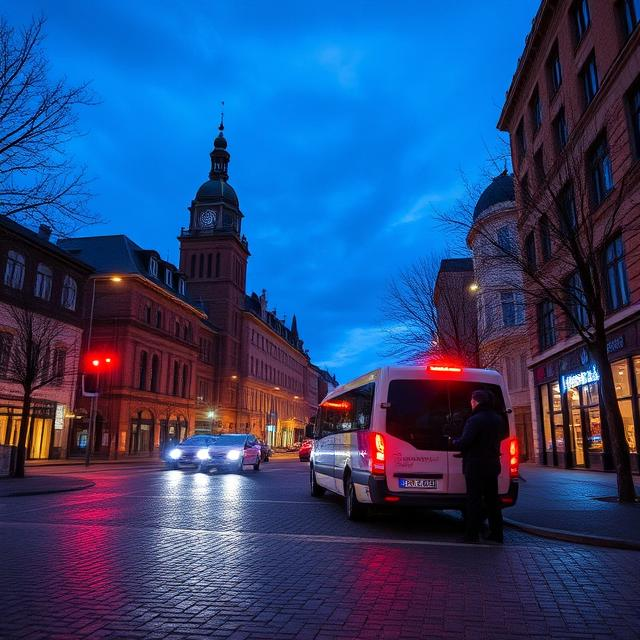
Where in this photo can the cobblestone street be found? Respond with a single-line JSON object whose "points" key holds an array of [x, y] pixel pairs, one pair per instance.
{"points": [[174, 554]]}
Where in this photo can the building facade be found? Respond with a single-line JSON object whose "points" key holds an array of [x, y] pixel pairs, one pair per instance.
{"points": [[40, 301], [503, 343], [161, 385], [264, 378], [573, 115]]}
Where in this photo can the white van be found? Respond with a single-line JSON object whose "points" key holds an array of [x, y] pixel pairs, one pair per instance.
{"points": [[385, 438]]}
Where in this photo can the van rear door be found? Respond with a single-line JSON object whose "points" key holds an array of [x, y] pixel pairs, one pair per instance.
{"points": [[416, 438]]}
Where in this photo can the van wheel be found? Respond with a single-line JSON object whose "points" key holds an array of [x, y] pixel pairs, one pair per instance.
{"points": [[354, 509], [256, 466], [316, 490]]}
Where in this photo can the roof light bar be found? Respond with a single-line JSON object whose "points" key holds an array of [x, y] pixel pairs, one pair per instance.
{"points": [[445, 368]]}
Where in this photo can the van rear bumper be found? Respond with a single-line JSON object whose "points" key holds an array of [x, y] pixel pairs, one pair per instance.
{"points": [[380, 494]]}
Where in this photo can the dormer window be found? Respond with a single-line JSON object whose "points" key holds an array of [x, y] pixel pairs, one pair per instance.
{"points": [[168, 277], [153, 266], [182, 287]]}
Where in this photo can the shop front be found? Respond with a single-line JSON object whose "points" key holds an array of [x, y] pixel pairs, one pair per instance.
{"points": [[44, 438], [572, 433]]}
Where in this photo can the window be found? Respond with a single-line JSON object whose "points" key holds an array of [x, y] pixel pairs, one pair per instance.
{"points": [[577, 302], [153, 266], [159, 319], [512, 308], [45, 372], [521, 140], [567, 210], [217, 265], [44, 279], [350, 411], [142, 378], [185, 381], [182, 287], [193, 265], [560, 129], [168, 277], [600, 171], [581, 19], [546, 325], [155, 372], [633, 101], [530, 250], [589, 76], [617, 286], [6, 341], [538, 161], [535, 107], [69, 293], [14, 270], [201, 267], [524, 189], [208, 265], [629, 11], [177, 331], [147, 313], [555, 70], [59, 361], [505, 239], [176, 378]]}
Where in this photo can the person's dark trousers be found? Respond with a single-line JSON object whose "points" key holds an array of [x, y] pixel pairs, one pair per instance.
{"points": [[482, 499]]}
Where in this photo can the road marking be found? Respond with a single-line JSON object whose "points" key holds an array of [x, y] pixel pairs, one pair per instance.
{"points": [[248, 536]]}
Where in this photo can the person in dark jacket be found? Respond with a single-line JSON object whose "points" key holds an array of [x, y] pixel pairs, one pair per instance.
{"points": [[480, 446]]}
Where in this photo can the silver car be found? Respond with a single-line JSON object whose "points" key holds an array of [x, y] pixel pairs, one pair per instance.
{"points": [[226, 452]]}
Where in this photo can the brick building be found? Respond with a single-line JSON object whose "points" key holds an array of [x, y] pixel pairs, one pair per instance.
{"points": [[573, 115], [47, 282], [162, 384], [265, 381]]}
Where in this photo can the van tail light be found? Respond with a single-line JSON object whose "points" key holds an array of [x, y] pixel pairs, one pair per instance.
{"points": [[376, 454], [514, 457]]}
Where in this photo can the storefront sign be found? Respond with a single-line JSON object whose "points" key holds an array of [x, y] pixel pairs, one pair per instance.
{"points": [[578, 379], [615, 345]]}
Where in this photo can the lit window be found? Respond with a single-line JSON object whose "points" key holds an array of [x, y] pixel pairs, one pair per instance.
{"points": [[69, 293], [44, 279]]}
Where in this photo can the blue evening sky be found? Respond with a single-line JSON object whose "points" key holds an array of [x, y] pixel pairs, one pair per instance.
{"points": [[347, 123]]}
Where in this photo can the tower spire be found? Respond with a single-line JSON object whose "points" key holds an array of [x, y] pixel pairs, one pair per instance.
{"points": [[220, 156], [221, 125]]}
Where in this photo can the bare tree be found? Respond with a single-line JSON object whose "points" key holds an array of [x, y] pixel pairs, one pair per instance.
{"points": [[38, 180], [428, 321], [28, 362], [566, 226]]}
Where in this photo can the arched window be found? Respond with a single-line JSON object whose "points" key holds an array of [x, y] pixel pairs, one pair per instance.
{"points": [[159, 319], [14, 270], [201, 270], [177, 329], [208, 265], [193, 265], [44, 279], [185, 381], [217, 265], [142, 384], [155, 371], [69, 293], [176, 378]]}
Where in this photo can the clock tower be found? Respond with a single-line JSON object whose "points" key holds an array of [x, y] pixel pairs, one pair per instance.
{"points": [[213, 254]]}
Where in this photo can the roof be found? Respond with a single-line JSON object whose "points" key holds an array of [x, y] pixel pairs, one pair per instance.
{"points": [[217, 191], [500, 190], [32, 237], [119, 254], [456, 264]]}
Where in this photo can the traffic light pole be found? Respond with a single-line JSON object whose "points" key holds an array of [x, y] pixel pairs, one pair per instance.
{"points": [[92, 422]]}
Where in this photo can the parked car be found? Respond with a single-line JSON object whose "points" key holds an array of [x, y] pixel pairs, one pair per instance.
{"points": [[265, 450], [226, 452], [305, 450]]}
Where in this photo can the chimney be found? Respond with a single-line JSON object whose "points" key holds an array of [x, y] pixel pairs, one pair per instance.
{"points": [[44, 233]]}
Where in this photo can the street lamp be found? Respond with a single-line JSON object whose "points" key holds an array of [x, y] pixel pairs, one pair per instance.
{"points": [[97, 364]]}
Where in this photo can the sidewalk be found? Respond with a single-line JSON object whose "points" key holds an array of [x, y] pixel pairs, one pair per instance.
{"points": [[578, 506], [38, 485]]}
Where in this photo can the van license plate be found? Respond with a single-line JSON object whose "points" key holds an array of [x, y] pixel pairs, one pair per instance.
{"points": [[411, 483]]}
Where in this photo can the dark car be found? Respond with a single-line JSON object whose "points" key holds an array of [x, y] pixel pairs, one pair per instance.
{"points": [[265, 450], [226, 452], [305, 450]]}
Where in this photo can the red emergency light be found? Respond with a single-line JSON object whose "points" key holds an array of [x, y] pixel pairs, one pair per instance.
{"points": [[444, 368], [342, 404]]}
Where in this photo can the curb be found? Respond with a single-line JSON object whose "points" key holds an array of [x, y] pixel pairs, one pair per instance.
{"points": [[87, 484], [570, 536]]}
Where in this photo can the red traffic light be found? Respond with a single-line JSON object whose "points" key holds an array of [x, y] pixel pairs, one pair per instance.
{"points": [[99, 362]]}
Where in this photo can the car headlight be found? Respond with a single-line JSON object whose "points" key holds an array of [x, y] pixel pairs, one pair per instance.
{"points": [[203, 454], [175, 453], [234, 454]]}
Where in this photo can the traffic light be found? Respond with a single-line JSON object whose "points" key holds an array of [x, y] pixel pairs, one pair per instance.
{"points": [[96, 364]]}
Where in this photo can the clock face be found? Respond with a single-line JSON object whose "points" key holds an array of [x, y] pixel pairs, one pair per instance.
{"points": [[208, 218]]}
